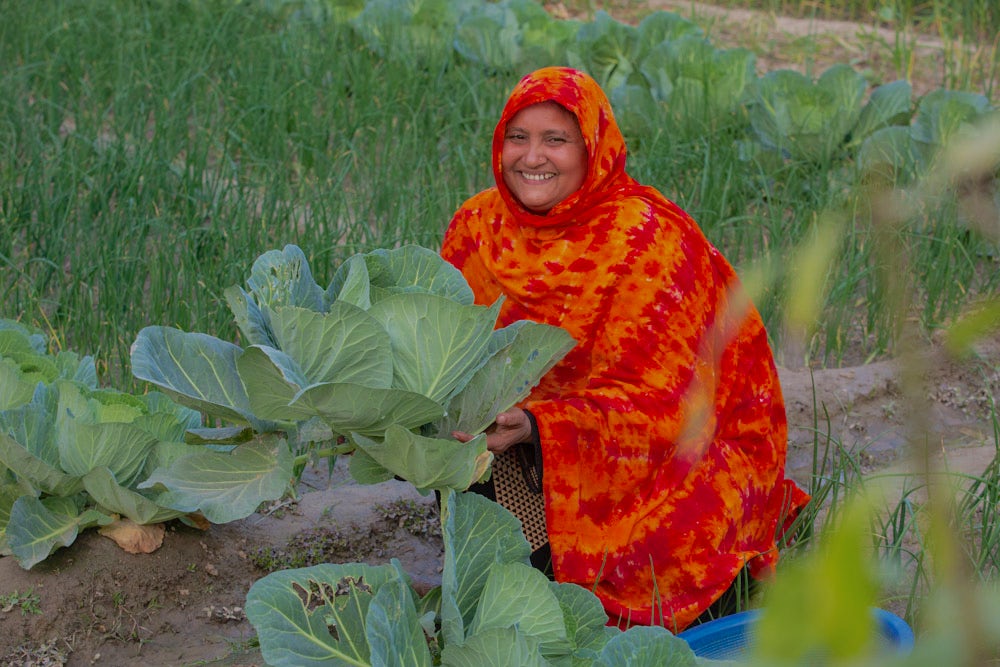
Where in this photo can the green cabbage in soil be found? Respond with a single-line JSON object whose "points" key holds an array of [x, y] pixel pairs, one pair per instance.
{"points": [[384, 363], [72, 455]]}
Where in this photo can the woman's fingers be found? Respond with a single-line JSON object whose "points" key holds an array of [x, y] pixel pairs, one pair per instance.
{"points": [[510, 428]]}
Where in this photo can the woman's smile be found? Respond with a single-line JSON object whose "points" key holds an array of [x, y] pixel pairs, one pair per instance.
{"points": [[537, 177], [544, 156]]}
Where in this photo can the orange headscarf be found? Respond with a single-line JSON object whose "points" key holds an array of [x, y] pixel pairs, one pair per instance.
{"points": [[663, 431]]}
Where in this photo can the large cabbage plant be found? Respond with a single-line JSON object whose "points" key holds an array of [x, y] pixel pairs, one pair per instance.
{"points": [[492, 608], [72, 454], [899, 154], [816, 121], [383, 363]]}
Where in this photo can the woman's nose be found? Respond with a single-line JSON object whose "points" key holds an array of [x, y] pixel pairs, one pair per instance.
{"points": [[535, 154]]}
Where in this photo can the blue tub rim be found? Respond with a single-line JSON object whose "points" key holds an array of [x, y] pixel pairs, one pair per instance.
{"points": [[892, 628]]}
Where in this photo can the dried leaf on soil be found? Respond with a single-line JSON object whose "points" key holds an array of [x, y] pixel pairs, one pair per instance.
{"points": [[135, 538]]}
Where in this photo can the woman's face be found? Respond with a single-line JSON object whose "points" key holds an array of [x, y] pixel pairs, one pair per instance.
{"points": [[544, 157]]}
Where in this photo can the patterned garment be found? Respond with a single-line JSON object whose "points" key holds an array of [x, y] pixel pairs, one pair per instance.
{"points": [[663, 431]]}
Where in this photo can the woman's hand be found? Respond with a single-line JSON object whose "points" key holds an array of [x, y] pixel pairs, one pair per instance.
{"points": [[509, 428]]}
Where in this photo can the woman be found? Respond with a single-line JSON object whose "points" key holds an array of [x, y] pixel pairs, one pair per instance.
{"points": [[660, 439]]}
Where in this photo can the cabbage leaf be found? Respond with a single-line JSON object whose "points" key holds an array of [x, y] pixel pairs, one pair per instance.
{"points": [[73, 455], [493, 608], [392, 356]]}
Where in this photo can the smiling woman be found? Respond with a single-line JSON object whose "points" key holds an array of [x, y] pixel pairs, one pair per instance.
{"points": [[647, 465], [544, 157]]}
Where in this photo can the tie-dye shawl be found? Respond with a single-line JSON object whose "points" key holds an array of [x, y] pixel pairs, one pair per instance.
{"points": [[663, 432]]}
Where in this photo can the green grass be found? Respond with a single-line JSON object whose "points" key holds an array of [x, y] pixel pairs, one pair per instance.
{"points": [[152, 155], [153, 152], [27, 603]]}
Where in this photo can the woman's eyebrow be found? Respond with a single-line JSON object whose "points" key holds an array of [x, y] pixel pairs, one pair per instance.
{"points": [[546, 133]]}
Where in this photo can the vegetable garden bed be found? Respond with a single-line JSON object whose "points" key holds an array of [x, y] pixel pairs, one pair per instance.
{"points": [[147, 173]]}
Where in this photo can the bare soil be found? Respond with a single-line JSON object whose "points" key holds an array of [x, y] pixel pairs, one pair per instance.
{"points": [[183, 603]]}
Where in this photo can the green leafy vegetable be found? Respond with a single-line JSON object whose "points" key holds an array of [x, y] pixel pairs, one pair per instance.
{"points": [[804, 119], [400, 29], [492, 608], [888, 105], [888, 157], [73, 455], [491, 35], [705, 83], [293, 610], [639, 109], [942, 114], [544, 39], [207, 381], [432, 463], [225, 486], [818, 121], [513, 35], [899, 153], [37, 527], [392, 357], [605, 48], [663, 27]]}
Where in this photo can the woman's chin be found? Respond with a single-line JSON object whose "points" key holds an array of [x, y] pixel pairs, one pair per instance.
{"points": [[534, 203]]}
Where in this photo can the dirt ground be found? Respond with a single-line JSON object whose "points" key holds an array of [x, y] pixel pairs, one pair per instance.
{"points": [[95, 604]]}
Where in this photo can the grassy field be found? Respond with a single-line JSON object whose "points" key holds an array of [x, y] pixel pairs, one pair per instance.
{"points": [[151, 152]]}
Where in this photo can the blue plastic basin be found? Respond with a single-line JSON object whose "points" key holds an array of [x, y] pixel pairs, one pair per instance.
{"points": [[729, 637]]}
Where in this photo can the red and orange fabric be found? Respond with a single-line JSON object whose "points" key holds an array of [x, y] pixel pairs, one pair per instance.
{"points": [[663, 431]]}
